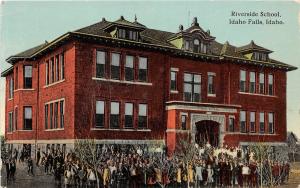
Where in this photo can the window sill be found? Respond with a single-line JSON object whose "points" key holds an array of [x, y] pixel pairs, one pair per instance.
{"points": [[123, 81], [24, 89], [25, 130], [256, 94], [60, 129], [211, 95], [174, 92], [54, 83], [125, 129], [253, 133], [177, 130]]}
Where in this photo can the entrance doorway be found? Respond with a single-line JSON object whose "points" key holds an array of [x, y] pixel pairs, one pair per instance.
{"points": [[207, 132]]}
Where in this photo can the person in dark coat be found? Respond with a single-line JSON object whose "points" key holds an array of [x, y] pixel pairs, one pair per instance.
{"points": [[12, 169], [30, 166], [7, 166], [216, 168], [38, 157]]}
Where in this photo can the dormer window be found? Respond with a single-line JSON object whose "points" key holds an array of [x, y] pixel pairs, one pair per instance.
{"points": [[187, 45], [260, 56], [196, 45], [122, 33], [127, 34]]}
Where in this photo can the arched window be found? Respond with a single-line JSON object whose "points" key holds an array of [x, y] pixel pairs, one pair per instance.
{"points": [[196, 45]]}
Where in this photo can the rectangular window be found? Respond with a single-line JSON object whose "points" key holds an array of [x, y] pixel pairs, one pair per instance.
{"points": [[122, 33], [62, 66], [262, 122], [143, 66], [210, 84], [271, 123], [52, 70], [57, 68], [100, 64], [17, 78], [261, 83], [11, 88], [243, 81], [252, 82], [55, 115], [51, 115], [243, 121], [187, 45], [10, 121], [142, 120], [46, 116], [114, 115], [100, 114], [47, 72], [192, 87], [173, 81], [27, 76], [16, 118], [129, 68], [183, 122], [115, 66], [128, 115], [62, 113], [231, 125], [270, 84], [252, 122], [27, 118]]}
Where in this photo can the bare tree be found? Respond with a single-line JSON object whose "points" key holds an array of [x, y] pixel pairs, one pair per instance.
{"points": [[186, 151], [86, 151], [264, 154]]}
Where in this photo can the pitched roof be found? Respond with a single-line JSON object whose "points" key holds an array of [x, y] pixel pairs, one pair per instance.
{"points": [[31, 51], [153, 37], [252, 47]]}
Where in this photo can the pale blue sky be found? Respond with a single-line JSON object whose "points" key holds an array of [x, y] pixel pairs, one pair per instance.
{"points": [[26, 24]]}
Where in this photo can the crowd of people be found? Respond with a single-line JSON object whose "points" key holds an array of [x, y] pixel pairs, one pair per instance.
{"points": [[136, 167]]}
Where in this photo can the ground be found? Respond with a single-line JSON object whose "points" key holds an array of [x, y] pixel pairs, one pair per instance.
{"points": [[40, 179]]}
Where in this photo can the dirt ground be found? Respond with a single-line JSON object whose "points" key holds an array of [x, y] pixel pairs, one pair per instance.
{"points": [[294, 181]]}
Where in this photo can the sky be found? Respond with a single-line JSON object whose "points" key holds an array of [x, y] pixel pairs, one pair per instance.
{"points": [[26, 24]]}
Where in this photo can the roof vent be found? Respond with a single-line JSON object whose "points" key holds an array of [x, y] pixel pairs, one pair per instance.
{"points": [[195, 22], [208, 32], [103, 19], [135, 18], [122, 18]]}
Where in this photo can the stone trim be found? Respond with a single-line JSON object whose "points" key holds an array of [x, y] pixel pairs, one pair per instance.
{"points": [[122, 81], [200, 107], [174, 91], [264, 143], [257, 94], [217, 118], [125, 129], [72, 141], [174, 69], [54, 83], [177, 131], [23, 89]]}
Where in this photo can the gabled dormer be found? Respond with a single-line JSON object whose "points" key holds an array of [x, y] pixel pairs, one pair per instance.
{"points": [[254, 52], [193, 39], [124, 29]]}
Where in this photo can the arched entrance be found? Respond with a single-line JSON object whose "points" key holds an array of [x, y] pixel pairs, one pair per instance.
{"points": [[207, 131]]}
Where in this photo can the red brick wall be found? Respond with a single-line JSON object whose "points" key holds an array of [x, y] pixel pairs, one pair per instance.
{"points": [[81, 91], [88, 91]]}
